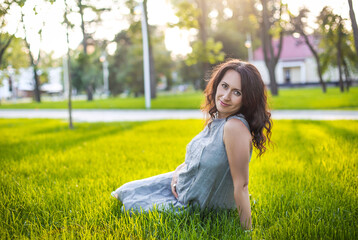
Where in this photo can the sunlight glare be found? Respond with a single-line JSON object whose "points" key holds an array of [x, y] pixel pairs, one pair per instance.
{"points": [[177, 41]]}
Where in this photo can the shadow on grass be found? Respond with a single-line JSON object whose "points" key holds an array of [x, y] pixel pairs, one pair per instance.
{"points": [[333, 130], [58, 137]]}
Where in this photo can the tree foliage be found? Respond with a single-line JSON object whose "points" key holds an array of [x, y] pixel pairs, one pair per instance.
{"points": [[337, 44], [15, 55], [299, 25], [86, 72], [126, 71], [5, 38], [235, 20], [193, 14], [90, 16]]}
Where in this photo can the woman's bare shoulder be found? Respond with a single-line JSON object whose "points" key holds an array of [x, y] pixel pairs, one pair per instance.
{"points": [[235, 126]]}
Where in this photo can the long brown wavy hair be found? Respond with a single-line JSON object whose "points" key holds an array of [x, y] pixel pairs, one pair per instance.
{"points": [[254, 100]]}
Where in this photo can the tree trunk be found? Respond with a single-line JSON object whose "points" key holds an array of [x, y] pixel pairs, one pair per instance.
{"points": [[33, 62], [271, 59], [273, 83], [319, 71], [169, 82], [203, 37], [354, 24], [84, 40], [346, 74], [340, 57], [316, 57], [340, 73], [3, 47], [89, 90], [37, 93]]}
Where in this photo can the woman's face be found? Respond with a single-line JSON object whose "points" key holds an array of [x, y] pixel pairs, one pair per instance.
{"points": [[228, 98]]}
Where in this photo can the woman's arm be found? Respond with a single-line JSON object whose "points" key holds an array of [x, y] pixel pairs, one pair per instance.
{"points": [[175, 179], [237, 141]]}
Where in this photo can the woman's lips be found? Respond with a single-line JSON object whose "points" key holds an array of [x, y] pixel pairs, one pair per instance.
{"points": [[223, 104]]}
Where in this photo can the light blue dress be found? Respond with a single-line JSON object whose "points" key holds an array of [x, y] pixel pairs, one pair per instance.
{"points": [[205, 181]]}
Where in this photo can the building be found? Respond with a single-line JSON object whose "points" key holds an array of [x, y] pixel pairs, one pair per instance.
{"points": [[296, 64], [22, 84]]}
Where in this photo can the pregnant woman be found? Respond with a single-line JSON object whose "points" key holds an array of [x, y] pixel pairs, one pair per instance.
{"points": [[215, 173]]}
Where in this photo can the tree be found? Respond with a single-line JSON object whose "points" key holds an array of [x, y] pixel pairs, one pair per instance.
{"points": [[127, 69], [336, 43], [87, 78], [354, 24], [272, 26], [126, 65], [193, 14], [5, 38], [86, 71], [15, 55], [164, 66], [14, 58], [33, 57], [234, 21], [299, 25]]}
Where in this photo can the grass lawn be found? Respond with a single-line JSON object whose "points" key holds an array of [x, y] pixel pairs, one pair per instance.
{"points": [[302, 98], [56, 182]]}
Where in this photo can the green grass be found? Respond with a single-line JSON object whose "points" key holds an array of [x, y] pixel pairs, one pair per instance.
{"points": [[313, 98], [56, 182], [302, 98], [191, 100]]}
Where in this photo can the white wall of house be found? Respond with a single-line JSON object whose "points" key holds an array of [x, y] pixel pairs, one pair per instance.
{"points": [[301, 71], [55, 84], [4, 88], [311, 74], [260, 65], [24, 81]]}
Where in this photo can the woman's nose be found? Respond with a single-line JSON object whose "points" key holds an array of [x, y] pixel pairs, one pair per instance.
{"points": [[227, 95]]}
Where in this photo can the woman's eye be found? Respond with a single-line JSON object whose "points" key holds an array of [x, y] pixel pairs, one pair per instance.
{"points": [[237, 93], [224, 85]]}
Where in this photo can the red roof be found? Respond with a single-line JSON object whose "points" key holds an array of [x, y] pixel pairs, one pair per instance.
{"points": [[292, 49]]}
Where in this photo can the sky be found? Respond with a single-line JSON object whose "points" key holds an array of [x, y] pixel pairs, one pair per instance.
{"points": [[159, 13]]}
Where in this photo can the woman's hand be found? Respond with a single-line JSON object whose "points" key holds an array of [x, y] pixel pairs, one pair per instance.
{"points": [[175, 180], [173, 184]]}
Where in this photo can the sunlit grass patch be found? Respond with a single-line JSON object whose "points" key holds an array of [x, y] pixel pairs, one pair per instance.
{"points": [[56, 182]]}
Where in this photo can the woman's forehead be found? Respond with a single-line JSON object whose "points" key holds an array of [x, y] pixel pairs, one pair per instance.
{"points": [[232, 78]]}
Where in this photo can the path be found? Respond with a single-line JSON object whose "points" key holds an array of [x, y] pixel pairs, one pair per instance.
{"points": [[82, 115]]}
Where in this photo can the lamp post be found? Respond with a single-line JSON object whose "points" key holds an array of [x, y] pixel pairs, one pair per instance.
{"points": [[146, 66], [103, 60], [248, 45]]}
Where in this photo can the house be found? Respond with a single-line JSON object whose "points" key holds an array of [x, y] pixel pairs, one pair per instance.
{"points": [[296, 64], [22, 84]]}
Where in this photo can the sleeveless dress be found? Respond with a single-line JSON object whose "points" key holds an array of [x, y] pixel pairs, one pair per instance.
{"points": [[205, 181]]}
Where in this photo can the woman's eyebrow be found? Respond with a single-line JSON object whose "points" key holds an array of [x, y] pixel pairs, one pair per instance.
{"points": [[229, 85]]}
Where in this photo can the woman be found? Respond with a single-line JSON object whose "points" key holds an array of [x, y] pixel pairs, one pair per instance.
{"points": [[215, 173]]}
